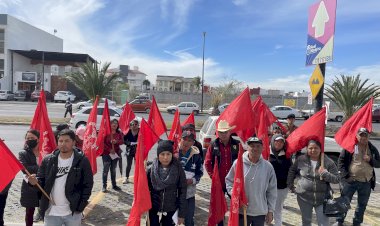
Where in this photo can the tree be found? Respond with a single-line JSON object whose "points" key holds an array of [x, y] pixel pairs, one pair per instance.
{"points": [[146, 83], [224, 92], [351, 93], [92, 80], [197, 82]]}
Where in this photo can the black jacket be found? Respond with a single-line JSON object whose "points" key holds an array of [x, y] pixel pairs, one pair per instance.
{"points": [[281, 166], [29, 195], [78, 184], [172, 197], [345, 159]]}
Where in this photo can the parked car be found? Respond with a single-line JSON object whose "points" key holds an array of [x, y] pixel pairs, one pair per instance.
{"points": [[90, 102], [142, 97], [63, 96], [6, 95], [208, 133], [81, 117], [36, 94], [140, 105], [307, 113], [22, 95], [184, 108], [221, 108], [283, 112], [376, 115], [335, 116]]}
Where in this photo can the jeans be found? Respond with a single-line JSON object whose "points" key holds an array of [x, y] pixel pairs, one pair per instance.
{"points": [[165, 220], [252, 220], [3, 200], [129, 165], [277, 215], [69, 220], [364, 191], [189, 219], [307, 211], [109, 165]]}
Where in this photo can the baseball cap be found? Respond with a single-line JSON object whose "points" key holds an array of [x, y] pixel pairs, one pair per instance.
{"points": [[280, 138], [188, 134], [254, 140], [363, 130]]}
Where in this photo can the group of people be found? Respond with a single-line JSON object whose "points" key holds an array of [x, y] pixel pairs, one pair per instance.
{"points": [[67, 178]]}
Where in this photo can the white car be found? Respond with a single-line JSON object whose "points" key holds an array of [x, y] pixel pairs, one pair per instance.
{"points": [[101, 103], [6, 95], [284, 111], [221, 108], [81, 117], [63, 96], [184, 108]]}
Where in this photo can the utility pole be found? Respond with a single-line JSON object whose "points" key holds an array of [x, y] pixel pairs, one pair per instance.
{"points": [[203, 68]]}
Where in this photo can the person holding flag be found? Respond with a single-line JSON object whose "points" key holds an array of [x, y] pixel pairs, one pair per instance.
{"points": [[111, 154], [191, 162], [314, 177], [191, 128], [29, 159], [130, 141], [357, 173], [66, 176], [260, 185], [167, 185]]}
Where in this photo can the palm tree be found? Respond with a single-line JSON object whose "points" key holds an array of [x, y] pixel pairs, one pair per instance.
{"points": [[146, 83], [92, 80], [350, 93], [197, 82]]}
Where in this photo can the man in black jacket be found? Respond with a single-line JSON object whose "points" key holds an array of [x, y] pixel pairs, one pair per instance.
{"points": [[357, 173], [67, 177]]}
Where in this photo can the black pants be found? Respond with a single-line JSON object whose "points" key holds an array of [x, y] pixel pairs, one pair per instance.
{"points": [[165, 220], [129, 165], [254, 221], [69, 111], [109, 165], [29, 212], [3, 200]]}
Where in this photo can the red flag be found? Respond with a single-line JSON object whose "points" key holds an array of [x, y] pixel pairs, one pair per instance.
{"points": [[189, 120], [155, 120], [176, 131], [239, 113], [238, 197], [9, 165], [104, 130], [311, 129], [346, 135], [218, 204], [90, 136], [141, 199], [126, 117], [41, 122]]}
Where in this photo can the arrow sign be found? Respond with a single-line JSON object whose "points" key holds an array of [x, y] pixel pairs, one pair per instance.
{"points": [[320, 20]]}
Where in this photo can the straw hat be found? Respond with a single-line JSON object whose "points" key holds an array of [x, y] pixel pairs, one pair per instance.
{"points": [[223, 126]]}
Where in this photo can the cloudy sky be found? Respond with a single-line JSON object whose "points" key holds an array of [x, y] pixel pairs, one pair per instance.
{"points": [[260, 42]]}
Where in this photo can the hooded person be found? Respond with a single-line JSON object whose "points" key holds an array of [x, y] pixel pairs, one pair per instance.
{"points": [[281, 166], [191, 128], [167, 186]]}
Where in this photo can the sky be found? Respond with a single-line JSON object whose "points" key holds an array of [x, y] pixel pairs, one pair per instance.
{"points": [[261, 43]]}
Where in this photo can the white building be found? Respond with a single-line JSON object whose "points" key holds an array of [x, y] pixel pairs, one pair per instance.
{"points": [[175, 84], [18, 35], [134, 78]]}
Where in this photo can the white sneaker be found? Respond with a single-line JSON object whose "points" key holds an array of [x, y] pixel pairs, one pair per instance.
{"points": [[126, 181]]}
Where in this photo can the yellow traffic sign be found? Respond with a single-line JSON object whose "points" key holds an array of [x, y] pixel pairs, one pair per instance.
{"points": [[316, 81]]}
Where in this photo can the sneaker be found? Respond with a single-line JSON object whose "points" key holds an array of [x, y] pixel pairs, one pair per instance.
{"points": [[116, 188], [126, 181], [104, 189], [37, 217]]}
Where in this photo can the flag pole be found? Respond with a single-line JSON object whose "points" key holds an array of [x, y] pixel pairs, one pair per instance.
{"points": [[147, 219], [245, 215], [39, 187]]}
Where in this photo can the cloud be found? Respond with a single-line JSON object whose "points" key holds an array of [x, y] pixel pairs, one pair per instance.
{"points": [[239, 2]]}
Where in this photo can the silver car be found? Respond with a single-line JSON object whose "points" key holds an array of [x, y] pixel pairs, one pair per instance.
{"points": [[6, 95]]}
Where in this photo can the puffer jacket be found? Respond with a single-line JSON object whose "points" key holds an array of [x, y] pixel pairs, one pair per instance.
{"points": [[171, 197], [78, 184], [312, 187], [193, 167], [280, 163], [29, 195]]}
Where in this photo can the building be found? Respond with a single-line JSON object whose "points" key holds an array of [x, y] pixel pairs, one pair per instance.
{"points": [[134, 78], [175, 84], [18, 35]]}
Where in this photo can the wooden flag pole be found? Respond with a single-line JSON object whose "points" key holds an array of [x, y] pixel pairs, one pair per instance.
{"points": [[245, 215], [322, 162], [39, 187], [147, 219]]}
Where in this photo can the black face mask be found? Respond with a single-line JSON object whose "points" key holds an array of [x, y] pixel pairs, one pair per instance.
{"points": [[31, 143]]}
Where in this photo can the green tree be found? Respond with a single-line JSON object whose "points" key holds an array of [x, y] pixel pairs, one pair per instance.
{"points": [[146, 83], [92, 80], [197, 82], [224, 92], [350, 93]]}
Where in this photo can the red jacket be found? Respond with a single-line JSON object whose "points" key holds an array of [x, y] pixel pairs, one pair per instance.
{"points": [[108, 145]]}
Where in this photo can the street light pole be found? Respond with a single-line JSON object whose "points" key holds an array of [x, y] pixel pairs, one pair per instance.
{"points": [[203, 68], [43, 70]]}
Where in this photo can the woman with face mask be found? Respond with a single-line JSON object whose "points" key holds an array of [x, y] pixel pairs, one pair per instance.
{"points": [[29, 158]]}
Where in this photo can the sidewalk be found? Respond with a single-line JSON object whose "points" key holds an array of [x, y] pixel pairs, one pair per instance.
{"points": [[112, 208]]}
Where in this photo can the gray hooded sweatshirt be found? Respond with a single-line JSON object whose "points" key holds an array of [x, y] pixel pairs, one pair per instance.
{"points": [[260, 185]]}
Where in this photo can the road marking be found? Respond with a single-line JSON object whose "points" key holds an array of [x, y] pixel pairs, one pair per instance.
{"points": [[98, 197]]}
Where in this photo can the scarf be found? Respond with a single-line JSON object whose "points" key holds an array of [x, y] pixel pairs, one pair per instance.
{"points": [[160, 179]]}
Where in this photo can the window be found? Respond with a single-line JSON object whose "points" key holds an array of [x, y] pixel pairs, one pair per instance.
{"points": [[87, 111], [2, 39], [182, 105], [1, 68], [100, 111], [67, 69], [113, 113]]}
